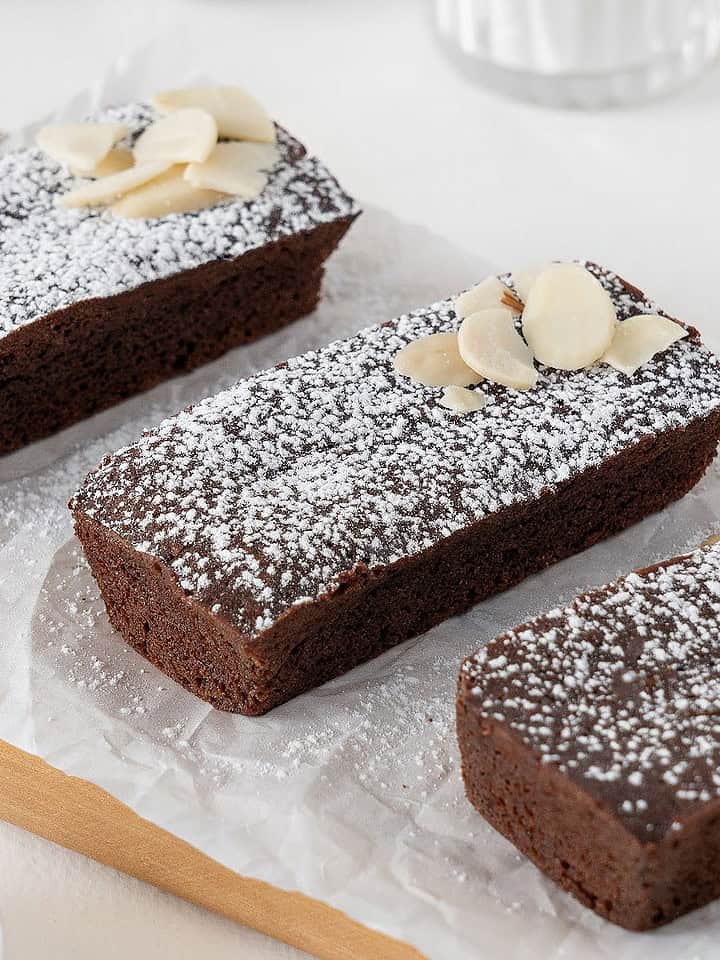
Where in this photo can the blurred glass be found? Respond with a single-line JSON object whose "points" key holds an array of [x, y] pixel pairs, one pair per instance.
{"points": [[581, 53]]}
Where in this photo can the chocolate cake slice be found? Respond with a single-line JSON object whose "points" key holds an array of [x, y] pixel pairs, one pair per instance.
{"points": [[95, 308], [590, 737], [310, 517]]}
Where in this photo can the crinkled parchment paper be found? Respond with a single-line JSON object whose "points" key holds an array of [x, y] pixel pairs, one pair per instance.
{"points": [[351, 793]]}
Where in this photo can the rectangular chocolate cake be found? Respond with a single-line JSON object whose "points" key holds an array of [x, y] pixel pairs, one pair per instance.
{"points": [[312, 516], [95, 307], [590, 737]]}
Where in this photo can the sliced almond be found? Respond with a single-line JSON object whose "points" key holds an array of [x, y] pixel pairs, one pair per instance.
{"points": [[569, 319], [435, 362], [166, 194], [81, 145], [462, 400], [639, 338], [237, 168], [110, 188], [485, 295], [489, 343], [238, 115], [186, 136], [116, 161], [710, 541], [523, 281]]}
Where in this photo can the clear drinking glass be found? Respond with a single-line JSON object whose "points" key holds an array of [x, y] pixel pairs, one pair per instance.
{"points": [[581, 53]]}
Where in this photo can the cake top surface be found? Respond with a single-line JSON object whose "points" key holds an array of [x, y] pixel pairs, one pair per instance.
{"points": [[51, 258], [259, 498], [621, 691]]}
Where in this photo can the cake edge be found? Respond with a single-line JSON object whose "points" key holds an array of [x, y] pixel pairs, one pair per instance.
{"points": [[314, 641], [237, 292]]}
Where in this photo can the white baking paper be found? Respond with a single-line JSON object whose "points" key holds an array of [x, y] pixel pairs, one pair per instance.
{"points": [[351, 793]]}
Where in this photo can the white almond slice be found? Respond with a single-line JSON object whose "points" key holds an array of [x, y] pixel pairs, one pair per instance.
{"points": [[116, 161], [569, 319], [434, 361], [186, 136], [238, 115], [489, 343], [166, 194], [108, 189], [523, 281], [485, 295], [462, 400], [639, 338], [81, 145], [240, 169]]}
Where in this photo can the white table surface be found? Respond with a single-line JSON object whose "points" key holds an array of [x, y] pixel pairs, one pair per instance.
{"points": [[364, 84]]}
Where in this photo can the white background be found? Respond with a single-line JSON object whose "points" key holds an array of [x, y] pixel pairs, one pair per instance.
{"points": [[364, 84]]}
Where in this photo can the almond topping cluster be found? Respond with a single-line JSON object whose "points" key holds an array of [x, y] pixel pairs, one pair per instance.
{"points": [[176, 165], [568, 321]]}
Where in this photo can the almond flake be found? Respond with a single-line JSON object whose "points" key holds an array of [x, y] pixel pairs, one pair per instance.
{"points": [[569, 319], [240, 169], [639, 338], [434, 361], [489, 343], [166, 194], [116, 161], [462, 400], [107, 189], [238, 115], [523, 281], [186, 136], [489, 293], [81, 145]]}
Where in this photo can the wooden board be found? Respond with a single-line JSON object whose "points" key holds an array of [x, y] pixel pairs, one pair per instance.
{"points": [[82, 817]]}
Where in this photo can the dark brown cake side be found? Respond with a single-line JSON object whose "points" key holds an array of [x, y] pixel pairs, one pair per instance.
{"points": [[96, 307], [95, 353], [322, 511], [590, 738], [374, 610], [579, 844]]}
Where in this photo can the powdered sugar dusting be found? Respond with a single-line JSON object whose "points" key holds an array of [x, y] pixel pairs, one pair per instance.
{"points": [[621, 690], [412, 858], [51, 258], [263, 496]]}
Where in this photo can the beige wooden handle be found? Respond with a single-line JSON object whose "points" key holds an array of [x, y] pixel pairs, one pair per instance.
{"points": [[82, 817]]}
